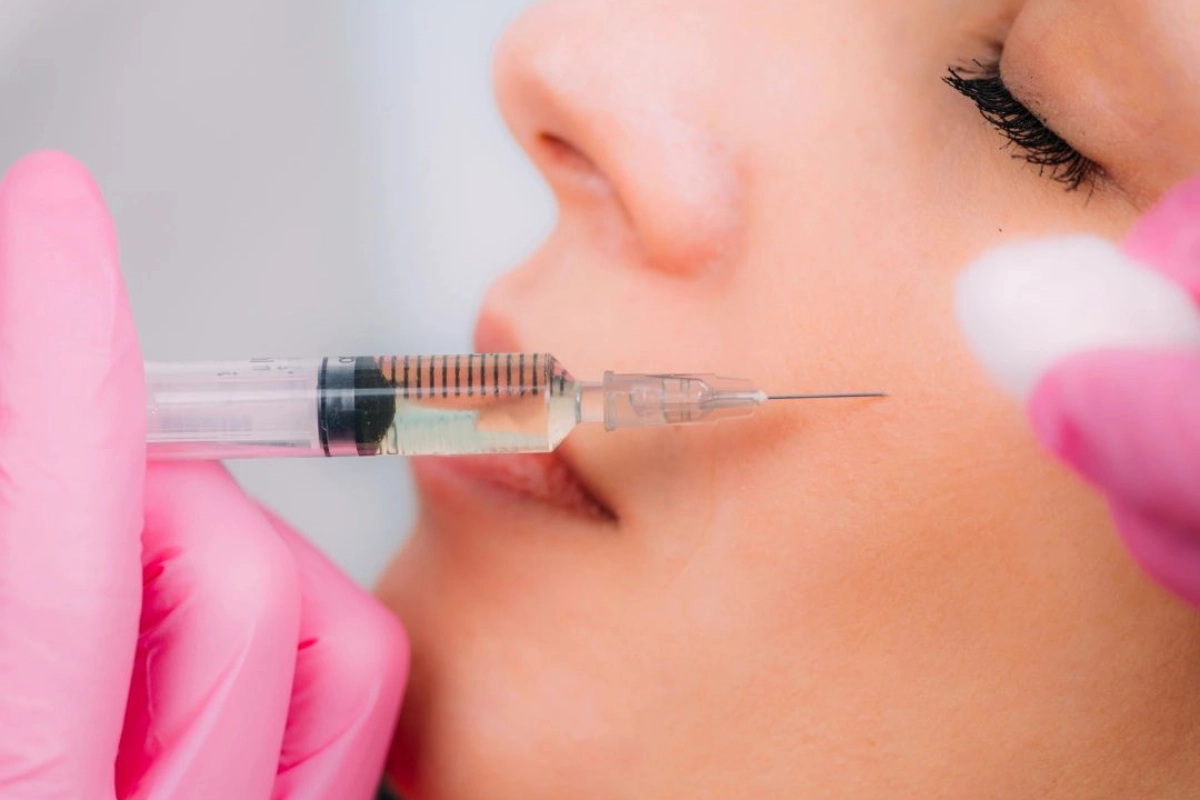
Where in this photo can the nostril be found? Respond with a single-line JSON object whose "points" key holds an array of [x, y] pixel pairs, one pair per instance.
{"points": [[569, 169], [564, 156], [565, 153]]}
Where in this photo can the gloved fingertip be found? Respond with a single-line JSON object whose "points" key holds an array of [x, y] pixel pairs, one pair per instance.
{"points": [[49, 193], [56, 227], [44, 168], [41, 167], [66, 333]]}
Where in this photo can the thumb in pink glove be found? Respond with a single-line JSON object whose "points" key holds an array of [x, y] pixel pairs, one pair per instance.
{"points": [[161, 636], [1104, 346]]}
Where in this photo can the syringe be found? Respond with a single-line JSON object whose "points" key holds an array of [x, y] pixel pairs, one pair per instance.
{"points": [[416, 405]]}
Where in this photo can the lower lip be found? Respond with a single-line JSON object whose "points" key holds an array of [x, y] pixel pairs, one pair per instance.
{"points": [[536, 479]]}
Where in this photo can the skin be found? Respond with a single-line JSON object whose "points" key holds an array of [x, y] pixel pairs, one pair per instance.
{"points": [[899, 599]]}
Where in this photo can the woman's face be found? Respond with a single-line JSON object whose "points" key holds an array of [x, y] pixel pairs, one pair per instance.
{"points": [[844, 599]]}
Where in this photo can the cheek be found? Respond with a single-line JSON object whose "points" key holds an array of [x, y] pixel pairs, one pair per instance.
{"points": [[876, 497], [896, 528]]}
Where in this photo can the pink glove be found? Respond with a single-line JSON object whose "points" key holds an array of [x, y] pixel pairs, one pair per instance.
{"points": [[161, 636], [1130, 421], [1121, 402]]}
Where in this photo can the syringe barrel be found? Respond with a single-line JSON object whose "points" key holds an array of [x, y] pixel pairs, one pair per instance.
{"points": [[358, 406]]}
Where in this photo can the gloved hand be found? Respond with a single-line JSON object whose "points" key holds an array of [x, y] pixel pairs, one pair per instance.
{"points": [[1105, 348], [161, 635]]}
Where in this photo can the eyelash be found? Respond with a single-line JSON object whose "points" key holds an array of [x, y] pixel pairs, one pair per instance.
{"points": [[1039, 145]]}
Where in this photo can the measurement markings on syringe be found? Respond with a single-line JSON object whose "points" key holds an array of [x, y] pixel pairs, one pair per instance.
{"points": [[435, 377]]}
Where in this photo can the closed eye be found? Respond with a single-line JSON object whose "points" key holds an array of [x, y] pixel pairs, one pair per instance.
{"points": [[1055, 157]]}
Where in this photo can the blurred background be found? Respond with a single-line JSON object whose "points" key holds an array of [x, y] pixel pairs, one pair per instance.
{"points": [[288, 178]]}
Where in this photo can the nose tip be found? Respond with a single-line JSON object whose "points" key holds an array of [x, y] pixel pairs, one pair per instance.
{"points": [[608, 111]]}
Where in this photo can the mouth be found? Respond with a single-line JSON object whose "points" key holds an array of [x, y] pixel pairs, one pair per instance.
{"points": [[544, 480]]}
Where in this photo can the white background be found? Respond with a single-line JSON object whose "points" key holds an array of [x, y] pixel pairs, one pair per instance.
{"points": [[289, 178]]}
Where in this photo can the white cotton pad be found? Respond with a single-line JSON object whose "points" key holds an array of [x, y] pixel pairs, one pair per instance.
{"points": [[1027, 305]]}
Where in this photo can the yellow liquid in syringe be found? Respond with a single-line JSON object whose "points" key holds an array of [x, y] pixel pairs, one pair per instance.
{"points": [[477, 404]]}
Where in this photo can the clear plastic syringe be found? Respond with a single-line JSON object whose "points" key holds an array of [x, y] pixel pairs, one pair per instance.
{"points": [[415, 405]]}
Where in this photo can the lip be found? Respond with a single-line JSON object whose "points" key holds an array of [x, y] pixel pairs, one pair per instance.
{"points": [[545, 480]]}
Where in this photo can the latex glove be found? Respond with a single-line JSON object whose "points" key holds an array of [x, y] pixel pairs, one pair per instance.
{"points": [[161, 636], [1104, 346]]}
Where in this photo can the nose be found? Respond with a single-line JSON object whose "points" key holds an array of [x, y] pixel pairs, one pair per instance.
{"points": [[609, 112]]}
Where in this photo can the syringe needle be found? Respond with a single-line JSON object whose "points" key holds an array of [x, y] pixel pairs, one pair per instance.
{"points": [[859, 396]]}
